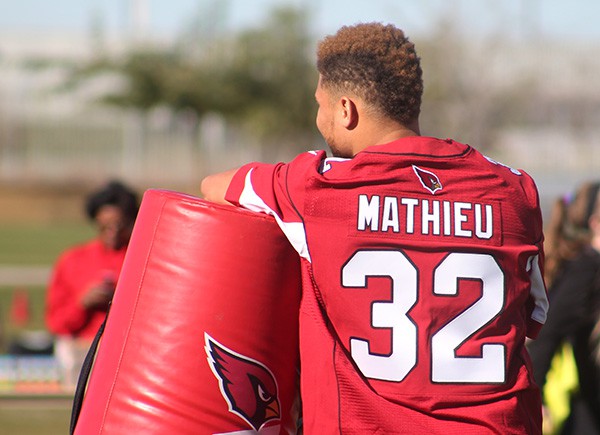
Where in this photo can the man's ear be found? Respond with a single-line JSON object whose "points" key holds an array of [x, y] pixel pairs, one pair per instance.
{"points": [[348, 112]]}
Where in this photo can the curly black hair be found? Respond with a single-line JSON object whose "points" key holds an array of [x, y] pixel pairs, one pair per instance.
{"points": [[114, 193], [377, 63]]}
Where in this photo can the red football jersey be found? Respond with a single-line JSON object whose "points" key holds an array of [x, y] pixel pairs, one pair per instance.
{"points": [[421, 279]]}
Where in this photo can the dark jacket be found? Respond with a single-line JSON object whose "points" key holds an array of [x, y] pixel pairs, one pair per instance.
{"points": [[574, 311]]}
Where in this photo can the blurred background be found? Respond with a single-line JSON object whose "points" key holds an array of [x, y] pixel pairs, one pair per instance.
{"points": [[158, 94]]}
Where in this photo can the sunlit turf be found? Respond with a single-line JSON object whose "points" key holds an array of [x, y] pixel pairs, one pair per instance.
{"points": [[35, 244]]}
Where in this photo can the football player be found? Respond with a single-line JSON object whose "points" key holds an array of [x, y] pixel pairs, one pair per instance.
{"points": [[421, 258]]}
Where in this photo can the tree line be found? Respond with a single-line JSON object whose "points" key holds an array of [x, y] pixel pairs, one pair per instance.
{"points": [[262, 80]]}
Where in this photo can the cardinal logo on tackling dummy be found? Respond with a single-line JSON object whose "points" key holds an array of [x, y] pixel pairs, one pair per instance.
{"points": [[248, 386], [428, 179]]}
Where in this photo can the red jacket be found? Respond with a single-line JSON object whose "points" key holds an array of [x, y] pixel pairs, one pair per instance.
{"points": [[77, 270]]}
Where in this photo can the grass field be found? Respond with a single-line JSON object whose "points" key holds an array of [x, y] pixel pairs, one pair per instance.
{"points": [[39, 244], [24, 244], [35, 417], [33, 244]]}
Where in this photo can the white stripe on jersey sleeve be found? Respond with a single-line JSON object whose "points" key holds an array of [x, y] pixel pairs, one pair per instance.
{"points": [[538, 290], [326, 165], [294, 231]]}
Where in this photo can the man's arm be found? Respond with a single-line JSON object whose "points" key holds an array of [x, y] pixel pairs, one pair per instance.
{"points": [[214, 187]]}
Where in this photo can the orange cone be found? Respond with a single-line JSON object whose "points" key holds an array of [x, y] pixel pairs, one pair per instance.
{"points": [[20, 311]]}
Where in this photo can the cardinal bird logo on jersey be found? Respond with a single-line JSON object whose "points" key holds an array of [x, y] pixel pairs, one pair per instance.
{"points": [[248, 386], [429, 180]]}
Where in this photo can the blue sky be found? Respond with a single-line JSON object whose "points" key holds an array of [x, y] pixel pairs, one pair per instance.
{"points": [[571, 19]]}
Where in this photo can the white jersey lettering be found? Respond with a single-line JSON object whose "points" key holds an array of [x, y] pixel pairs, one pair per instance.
{"points": [[437, 218]]}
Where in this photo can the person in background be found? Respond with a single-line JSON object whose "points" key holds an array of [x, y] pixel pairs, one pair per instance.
{"points": [[422, 259], [573, 246], [84, 278]]}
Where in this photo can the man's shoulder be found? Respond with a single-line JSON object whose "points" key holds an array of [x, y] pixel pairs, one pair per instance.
{"points": [[309, 158]]}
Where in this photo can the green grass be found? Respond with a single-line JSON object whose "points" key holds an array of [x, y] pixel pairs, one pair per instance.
{"points": [[28, 244], [35, 419], [25, 244]]}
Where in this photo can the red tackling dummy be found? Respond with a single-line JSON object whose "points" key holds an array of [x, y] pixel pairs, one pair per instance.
{"points": [[202, 336]]}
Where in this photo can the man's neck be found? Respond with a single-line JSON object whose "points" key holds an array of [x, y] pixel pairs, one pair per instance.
{"points": [[379, 134]]}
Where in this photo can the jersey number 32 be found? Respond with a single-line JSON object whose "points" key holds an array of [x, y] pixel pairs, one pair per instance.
{"points": [[446, 367]]}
